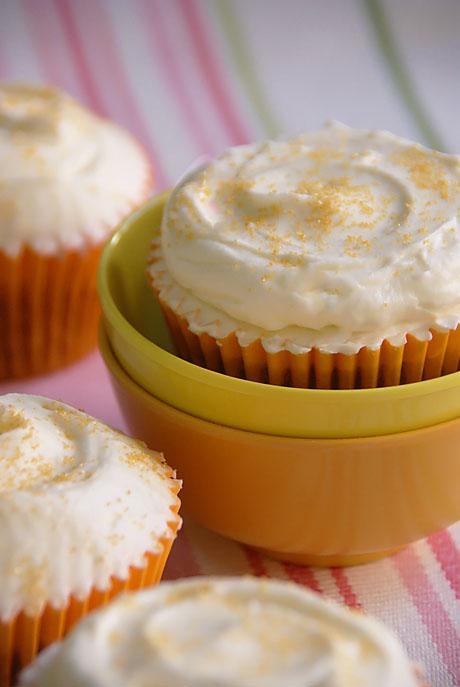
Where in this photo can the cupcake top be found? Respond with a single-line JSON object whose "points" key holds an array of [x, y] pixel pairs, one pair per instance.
{"points": [[239, 632], [66, 176], [337, 238], [79, 502]]}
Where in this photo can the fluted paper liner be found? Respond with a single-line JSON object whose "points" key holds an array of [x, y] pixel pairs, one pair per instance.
{"points": [[25, 636], [49, 307], [49, 310], [387, 366]]}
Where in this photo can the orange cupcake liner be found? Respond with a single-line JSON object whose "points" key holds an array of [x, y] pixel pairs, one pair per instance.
{"points": [[49, 307], [389, 365], [22, 638], [49, 310]]}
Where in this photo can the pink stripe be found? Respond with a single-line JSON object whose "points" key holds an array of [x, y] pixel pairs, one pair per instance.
{"points": [[430, 609], [84, 74], [39, 27], [115, 72], [346, 590], [302, 575], [448, 556], [213, 75], [256, 562], [165, 52], [182, 561]]}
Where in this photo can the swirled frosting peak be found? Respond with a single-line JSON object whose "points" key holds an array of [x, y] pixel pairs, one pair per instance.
{"points": [[79, 503], [225, 633], [67, 177], [336, 238]]}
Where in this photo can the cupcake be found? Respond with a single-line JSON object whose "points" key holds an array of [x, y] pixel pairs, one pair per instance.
{"points": [[85, 512], [239, 632], [327, 260], [67, 178]]}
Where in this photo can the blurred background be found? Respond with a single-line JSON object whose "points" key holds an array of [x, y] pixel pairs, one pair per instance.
{"points": [[190, 77]]}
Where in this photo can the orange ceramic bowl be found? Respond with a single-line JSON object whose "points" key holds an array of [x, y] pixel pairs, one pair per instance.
{"points": [[318, 501]]}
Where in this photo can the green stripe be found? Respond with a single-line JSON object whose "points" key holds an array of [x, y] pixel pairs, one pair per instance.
{"points": [[245, 66], [400, 74]]}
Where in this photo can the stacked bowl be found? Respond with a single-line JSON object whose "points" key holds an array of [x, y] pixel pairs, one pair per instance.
{"points": [[324, 477]]}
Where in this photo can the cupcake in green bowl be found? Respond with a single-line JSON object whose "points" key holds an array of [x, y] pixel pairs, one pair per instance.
{"points": [[327, 260]]}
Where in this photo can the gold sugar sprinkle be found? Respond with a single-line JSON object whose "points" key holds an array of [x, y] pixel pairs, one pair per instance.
{"points": [[406, 238], [425, 170], [354, 244], [331, 202], [11, 419]]}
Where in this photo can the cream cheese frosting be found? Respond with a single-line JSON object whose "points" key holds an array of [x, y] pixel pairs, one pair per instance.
{"points": [[79, 503], [337, 238], [223, 632], [67, 177]]}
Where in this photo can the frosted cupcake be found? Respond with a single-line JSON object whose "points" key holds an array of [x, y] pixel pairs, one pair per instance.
{"points": [[67, 178], [234, 632], [85, 513], [331, 259]]}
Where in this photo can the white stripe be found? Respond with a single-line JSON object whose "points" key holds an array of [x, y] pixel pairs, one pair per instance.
{"points": [[214, 554], [455, 534], [275, 569], [328, 585], [427, 37], [319, 61]]}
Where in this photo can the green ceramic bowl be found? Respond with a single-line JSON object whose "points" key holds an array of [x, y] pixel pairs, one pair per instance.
{"points": [[140, 340]]}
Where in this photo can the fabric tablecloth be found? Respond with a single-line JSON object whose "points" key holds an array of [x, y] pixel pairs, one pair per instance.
{"points": [[191, 77]]}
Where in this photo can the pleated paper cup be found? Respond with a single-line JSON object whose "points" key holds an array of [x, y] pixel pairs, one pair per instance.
{"points": [[388, 365], [49, 310], [49, 307], [24, 636]]}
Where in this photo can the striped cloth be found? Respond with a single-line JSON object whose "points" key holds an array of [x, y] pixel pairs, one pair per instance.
{"points": [[191, 77]]}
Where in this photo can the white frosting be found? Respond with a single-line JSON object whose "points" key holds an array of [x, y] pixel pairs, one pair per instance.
{"points": [[239, 632], [337, 238], [79, 502], [67, 177]]}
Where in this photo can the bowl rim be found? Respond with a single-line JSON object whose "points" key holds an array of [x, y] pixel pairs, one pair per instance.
{"points": [[115, 368], [202, 375]]}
